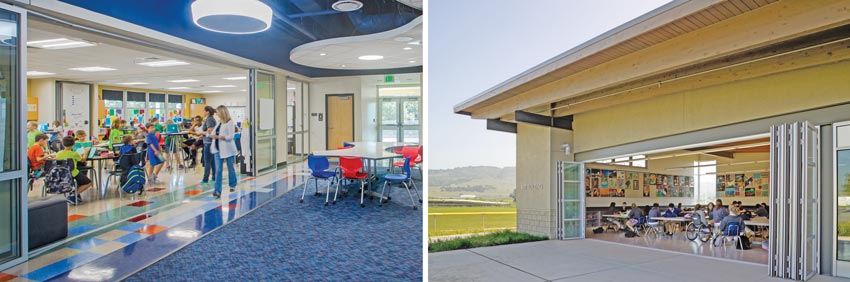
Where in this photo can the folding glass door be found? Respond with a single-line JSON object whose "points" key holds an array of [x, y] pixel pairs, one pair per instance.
{"points": [[263, 111], [570, 200], [13, 217], [297, 120]]}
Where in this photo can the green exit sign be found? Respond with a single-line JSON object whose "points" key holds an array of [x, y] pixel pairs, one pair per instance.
{"points": [[389, 79]]}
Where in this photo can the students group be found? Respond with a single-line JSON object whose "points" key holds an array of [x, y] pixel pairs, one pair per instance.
{"points": [[215, 133], [719, 214]]}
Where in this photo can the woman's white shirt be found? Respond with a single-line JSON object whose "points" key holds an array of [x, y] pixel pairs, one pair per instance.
{"points": [[226, 145]]}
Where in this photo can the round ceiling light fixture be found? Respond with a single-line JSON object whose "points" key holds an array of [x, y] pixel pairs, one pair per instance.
{"points": [[370, 57], [232, 16], [347, 5], [403, 39]]}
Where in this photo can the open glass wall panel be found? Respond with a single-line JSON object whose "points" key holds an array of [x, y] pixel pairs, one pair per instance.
{"points": [[297, 120], [12, 172]]}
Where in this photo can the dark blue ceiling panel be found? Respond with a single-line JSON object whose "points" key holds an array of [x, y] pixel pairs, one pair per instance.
{"points": [[295, 22]]}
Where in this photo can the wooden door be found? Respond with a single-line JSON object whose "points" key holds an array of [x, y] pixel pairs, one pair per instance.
{"points": [[339, 109]]}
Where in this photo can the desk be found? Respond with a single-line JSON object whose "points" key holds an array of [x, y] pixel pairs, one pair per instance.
{"points": [[673, 221], [372, 152]]}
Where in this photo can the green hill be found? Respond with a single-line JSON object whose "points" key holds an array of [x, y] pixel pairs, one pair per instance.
{"points": [[485, 182]]}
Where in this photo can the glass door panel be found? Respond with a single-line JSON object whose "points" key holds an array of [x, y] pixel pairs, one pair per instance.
{"points": [[265, 116], [571, 200], [12, 140], [389, 112], [410, 112], [296, 121], [400, 120]]}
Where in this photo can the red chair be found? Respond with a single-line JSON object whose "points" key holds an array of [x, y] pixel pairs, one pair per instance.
{"points": [[407, 152], [351, 167], [417, 162]]}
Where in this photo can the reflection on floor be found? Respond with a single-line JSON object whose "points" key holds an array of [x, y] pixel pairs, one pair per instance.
{"points": [[146, 230], [136, 222], [678, 243]]}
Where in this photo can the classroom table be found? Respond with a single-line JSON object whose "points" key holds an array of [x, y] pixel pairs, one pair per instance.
{"points": [[174, 141], [98, 174], [673, 220], [371, 152]]}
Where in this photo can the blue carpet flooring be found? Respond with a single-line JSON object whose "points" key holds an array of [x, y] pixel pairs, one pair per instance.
{"points": [[290, 241]]}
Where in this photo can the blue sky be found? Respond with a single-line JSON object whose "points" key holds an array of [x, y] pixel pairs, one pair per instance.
{"points": [[472, 47]]}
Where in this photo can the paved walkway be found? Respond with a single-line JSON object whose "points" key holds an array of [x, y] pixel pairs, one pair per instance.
{"points": [[587, 260]]}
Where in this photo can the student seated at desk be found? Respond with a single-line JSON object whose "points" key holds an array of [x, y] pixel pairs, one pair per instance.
{"points": [[670, 226], [761, 210], [719, 213], [32, 131], [37, 155], [634, 217], [698, 216], [613, 210], [115, 134], [732, 217], [678, 209], [81, 136], [83, 182], [671, 211]]}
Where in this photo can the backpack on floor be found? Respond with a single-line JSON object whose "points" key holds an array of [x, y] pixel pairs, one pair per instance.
{"points": [[631, 234], [135, 181], [58, 179], [598, 230], [745, 243]]}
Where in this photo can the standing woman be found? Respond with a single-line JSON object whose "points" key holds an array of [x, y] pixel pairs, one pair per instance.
{"points": [[224, 149], [207, 158]]}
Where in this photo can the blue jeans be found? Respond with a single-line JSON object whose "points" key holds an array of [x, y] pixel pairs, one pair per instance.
{"points": [[231, 172], [209, 163]]}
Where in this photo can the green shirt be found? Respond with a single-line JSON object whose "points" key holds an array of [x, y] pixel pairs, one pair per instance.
{"points": [[158, 127], [115, 137], [31, 137], [68, 154]]}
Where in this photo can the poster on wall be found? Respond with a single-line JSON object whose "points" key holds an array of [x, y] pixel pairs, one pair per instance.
{"points": [[646, 190], [76, 112]]}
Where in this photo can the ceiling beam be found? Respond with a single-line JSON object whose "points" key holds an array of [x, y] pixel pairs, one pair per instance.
{"points": [[557, 122], [503, 126]]}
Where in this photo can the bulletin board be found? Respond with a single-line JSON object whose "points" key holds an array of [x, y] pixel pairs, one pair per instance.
{"points": [[238, 113], [76, 105], [633, 184], [32, 109], [743, 185]]}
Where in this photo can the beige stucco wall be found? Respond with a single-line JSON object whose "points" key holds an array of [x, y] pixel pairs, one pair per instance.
{"points": [[538, 151], [713, 106]]}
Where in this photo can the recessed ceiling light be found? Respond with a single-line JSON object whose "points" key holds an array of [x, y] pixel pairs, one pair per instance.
{"points": [[407, 48], [411, 61], [92, 69], [342, 65], [403, 39], [322, 54], [166, 63], [232, 16], [417, 42], [59, 43], [211, 91], [37, 73], [223, 86], [133, 83], [347, 5], [243, 90], [177, 88], [371, 57], [236, 78], [290, 88], [183, 80]]}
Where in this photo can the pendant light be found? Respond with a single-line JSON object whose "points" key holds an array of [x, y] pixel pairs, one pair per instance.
{"points": [[232, 16]]}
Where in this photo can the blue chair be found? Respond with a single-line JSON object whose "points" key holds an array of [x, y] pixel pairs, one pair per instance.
{"points": [[733, 230], [319, 170], [403, 179]]}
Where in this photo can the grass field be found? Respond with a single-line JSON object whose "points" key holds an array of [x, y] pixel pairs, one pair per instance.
{"points": [[446, 224]]}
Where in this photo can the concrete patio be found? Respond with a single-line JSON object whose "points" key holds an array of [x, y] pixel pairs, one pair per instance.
{"points": [[587, 260]]}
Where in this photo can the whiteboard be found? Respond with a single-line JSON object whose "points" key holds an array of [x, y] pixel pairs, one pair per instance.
{"points": [[237, 113], [76, 106], [266, 113]]}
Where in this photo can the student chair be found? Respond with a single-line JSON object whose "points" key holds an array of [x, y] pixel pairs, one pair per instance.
{"points": [[417, 163], [50, 164], [319, 170], [651, 227], [404, 179], [351, 167], [407, 152], [733, 230], [345, 145], [122, 166]]}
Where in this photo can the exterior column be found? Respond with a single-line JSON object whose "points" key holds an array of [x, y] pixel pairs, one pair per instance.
{"points": [[538, 150]]}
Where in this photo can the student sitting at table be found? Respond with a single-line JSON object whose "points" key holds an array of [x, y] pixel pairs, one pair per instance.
{"points": [[37, 156], [678, 208], [761, 210], [613, 210], [732, 217], [670, 225], [625, 207], [698, 216], [115, 134], [80, 136], [719, 213], [194, 141], [83, 182], [709, 209], [634, 217]]}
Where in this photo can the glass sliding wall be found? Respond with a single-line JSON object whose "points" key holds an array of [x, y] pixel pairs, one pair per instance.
{"points": [[297, 120], [174, 107], [13, 230], [156, 106], [263, 109], [113, 101]]}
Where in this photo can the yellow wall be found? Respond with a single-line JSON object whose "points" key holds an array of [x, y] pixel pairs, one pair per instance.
{"points": [[713, 106]]}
